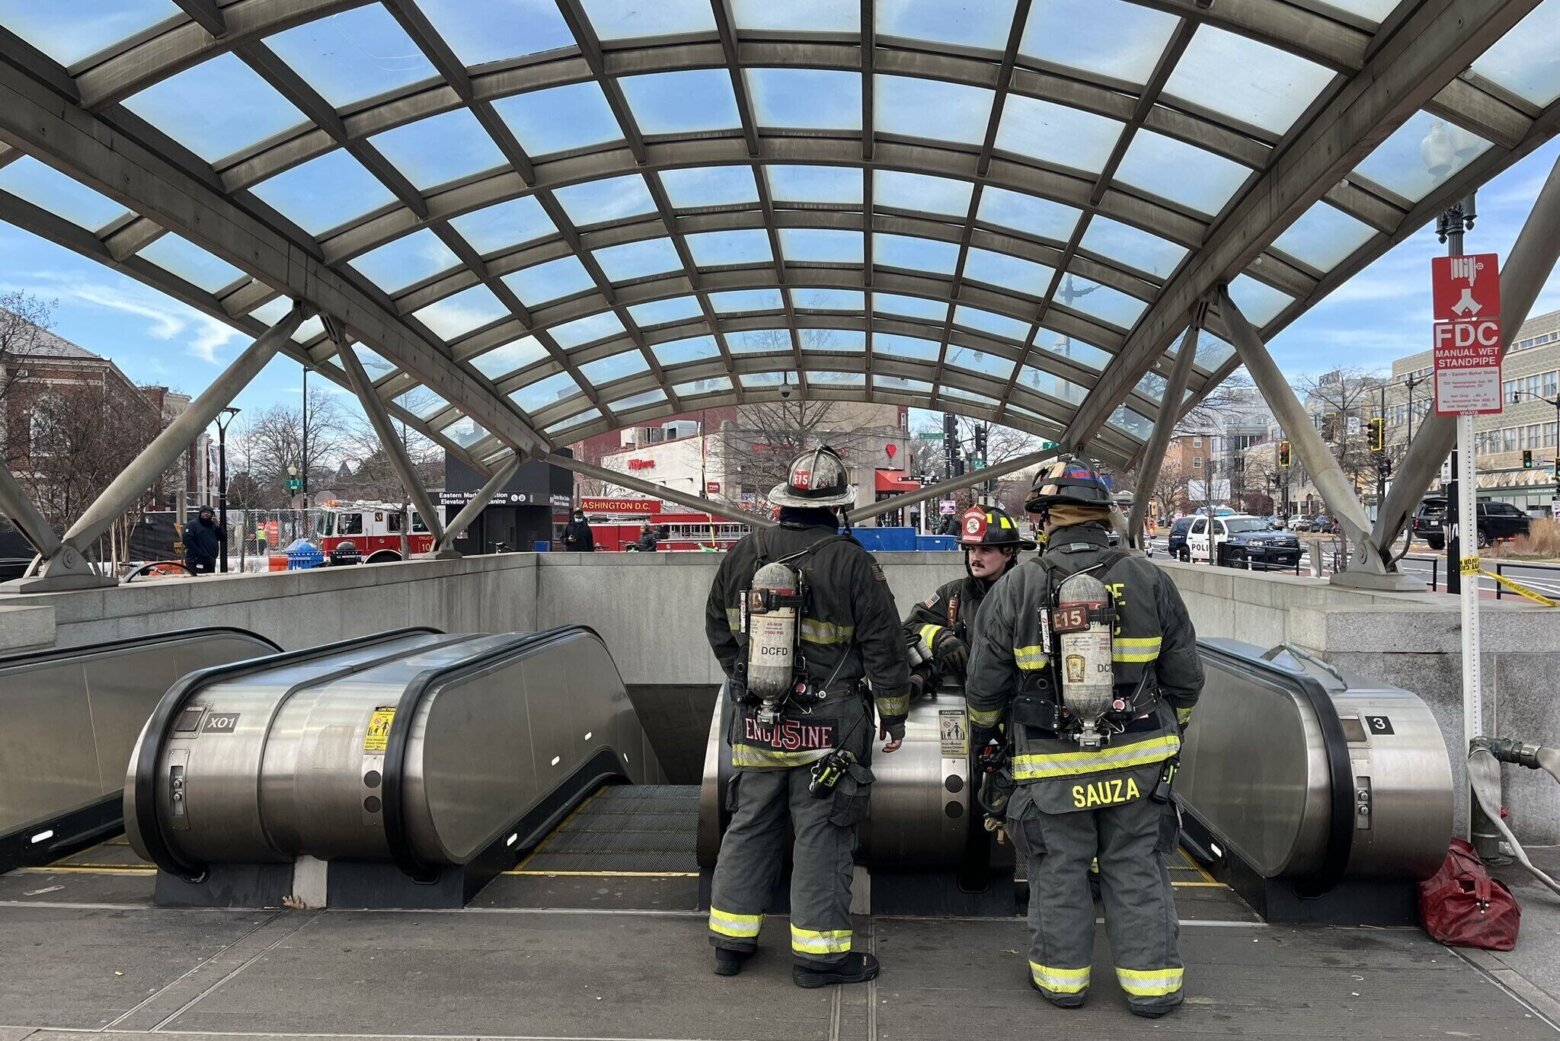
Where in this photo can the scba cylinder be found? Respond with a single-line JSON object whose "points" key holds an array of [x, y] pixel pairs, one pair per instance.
{"points": [[772, 631], [1087, 672]]}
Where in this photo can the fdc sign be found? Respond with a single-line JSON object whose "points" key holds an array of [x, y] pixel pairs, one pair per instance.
{"points": [[1466, 292]]}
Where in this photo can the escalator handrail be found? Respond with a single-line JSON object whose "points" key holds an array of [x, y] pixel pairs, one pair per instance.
{"points": [[88, 649], [156, 734], [393, 775], [1340, 774]]}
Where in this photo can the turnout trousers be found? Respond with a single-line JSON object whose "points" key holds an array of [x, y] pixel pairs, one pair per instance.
{"points": [[1132, 841], [752, 854]]}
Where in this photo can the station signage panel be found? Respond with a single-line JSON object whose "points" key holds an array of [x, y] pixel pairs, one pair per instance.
{"points": [[602, 505], [1466, 300]]}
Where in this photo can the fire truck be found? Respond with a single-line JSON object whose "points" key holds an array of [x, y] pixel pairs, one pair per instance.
{"points": [[374, 528], [615, 525]]}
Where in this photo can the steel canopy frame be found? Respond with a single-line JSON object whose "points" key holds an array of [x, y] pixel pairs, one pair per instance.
{"points": [[72, 119]]}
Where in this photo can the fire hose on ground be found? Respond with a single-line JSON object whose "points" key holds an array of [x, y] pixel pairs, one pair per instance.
{"points": [[1484, 758]]}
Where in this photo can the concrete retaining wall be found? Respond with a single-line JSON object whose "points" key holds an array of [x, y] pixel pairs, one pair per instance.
{"points": [[1413, 642]]}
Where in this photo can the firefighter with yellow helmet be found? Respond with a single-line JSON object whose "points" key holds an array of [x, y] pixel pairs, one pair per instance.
{"points": [[939, 629], [1087, 661], [800, 616]]}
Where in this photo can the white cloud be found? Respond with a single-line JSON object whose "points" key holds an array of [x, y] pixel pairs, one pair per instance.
{"points": [[168, 320]]}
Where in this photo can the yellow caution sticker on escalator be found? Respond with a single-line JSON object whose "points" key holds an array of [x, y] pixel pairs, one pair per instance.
{"points": [[378, 736]]}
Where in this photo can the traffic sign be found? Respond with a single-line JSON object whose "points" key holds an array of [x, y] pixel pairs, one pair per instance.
{"points": [[1465, 287], [294, 483], [977, 464]]}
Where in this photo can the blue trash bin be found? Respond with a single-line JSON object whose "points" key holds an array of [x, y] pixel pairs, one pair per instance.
{"points": [[302, 558], [543, 546]]}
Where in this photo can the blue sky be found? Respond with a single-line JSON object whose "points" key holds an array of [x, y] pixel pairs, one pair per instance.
{"points": [[1381, 314]]}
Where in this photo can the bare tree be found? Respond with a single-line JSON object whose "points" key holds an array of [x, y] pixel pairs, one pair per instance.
{"points": [[374, 477], [24, 329], [274, 440], [79, 440], [768, 435], [1341, 399]]}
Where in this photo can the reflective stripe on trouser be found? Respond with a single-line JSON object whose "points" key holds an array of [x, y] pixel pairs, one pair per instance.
{"points": [[1055, 980], [1134, 887], [753, 851]]}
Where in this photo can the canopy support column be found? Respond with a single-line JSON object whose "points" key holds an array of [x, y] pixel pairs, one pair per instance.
{"points": [[1527, 268], [469, 512], [1367, 569], [395, 449], [1164, 426]]}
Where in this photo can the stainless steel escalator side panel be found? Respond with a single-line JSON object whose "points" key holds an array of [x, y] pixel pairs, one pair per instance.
{"points": [[212, 755], [1402, 783], [488, 743], [71, 716], [909, 821], [1254, 772], [318, 791]]}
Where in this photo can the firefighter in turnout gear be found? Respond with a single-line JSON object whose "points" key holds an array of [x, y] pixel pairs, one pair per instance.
{"points": [[940, 628], [802, 619], [1088, 660]]}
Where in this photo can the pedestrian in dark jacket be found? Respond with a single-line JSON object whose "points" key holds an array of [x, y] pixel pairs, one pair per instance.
{"points": [[577, 536], [647, 539], [203, 541]]}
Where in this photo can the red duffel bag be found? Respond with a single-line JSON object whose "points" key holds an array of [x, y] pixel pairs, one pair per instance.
{"points": [[1462, 906]]}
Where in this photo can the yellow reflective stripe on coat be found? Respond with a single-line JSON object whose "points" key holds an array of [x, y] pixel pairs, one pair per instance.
{"points": [[1060, 981], [748, 755], [734, 618], [1135, 648], [812, 941], [1066, 764], [894, 706], [982, 718], [738, 926], [816, 631], [929, 634], [1150, 983], [1183, 716], [1030, 658]]}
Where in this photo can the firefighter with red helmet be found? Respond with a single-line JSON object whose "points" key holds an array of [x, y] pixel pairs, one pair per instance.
{"points": [[1087, 659], [804, 625], [939, 629]]}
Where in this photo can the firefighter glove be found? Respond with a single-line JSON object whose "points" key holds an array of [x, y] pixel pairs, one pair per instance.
{"points": [[950, 652]]}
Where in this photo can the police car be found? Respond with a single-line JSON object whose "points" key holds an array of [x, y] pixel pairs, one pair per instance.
{"points": [[1242, 541]]}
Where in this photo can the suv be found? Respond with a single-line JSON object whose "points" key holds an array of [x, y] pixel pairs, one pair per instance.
{"points": [[1497, 521], [1242, 541]]}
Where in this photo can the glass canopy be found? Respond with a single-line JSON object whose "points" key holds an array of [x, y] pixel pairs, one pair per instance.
{"points": [[556, 217]]}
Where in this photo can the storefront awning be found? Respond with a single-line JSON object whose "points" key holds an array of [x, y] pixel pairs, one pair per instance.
{"points": [[896, 481]]}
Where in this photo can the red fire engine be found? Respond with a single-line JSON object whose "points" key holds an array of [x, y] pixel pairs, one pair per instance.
{"points": [[616, 524], [374, 528]]}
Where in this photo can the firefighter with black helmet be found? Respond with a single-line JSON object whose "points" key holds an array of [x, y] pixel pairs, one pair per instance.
{"points": [[1087, 660], [939, 629], [804, 625]]}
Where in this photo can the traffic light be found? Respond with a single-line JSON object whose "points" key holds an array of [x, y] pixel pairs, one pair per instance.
{"points": [[1283, 453], [1329, 426], [1386, 467], [1527, 459], [980, 441], [1378, 434]]}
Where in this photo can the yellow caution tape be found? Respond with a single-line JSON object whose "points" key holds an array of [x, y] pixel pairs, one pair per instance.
{"points": [[1521, 590], [1470, 566]]}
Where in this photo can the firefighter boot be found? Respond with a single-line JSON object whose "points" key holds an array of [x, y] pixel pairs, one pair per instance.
{"points": [[855, 967]]}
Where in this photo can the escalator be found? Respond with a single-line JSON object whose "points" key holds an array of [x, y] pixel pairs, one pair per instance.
{"points": [[70, 717]]}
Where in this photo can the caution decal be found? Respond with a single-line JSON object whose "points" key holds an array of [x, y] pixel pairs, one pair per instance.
{"points": [[378, 736]]}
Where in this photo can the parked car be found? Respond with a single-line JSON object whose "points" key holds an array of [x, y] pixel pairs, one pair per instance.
{"points": [[1498, 521], [1299, 522], [1175, 541], [1276, 522], [1243, 541]]}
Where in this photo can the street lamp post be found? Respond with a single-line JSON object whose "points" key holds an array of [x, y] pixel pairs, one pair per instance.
{"points": [[223, 419], [1516, 397]]}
